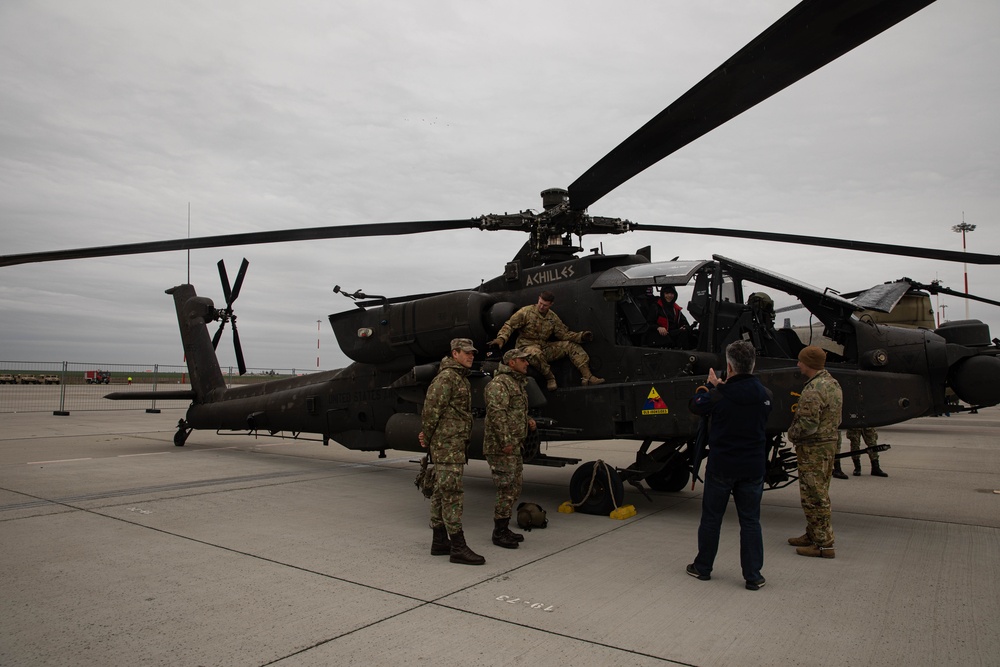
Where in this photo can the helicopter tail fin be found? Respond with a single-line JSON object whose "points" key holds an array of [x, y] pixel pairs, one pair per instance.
{"points": [[193, 315]]}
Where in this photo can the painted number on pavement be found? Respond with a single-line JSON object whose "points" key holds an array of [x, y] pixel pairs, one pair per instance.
{"points": [[528, 603]]}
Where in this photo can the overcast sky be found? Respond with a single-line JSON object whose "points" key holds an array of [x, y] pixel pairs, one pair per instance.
{"points": [[116, 115]]}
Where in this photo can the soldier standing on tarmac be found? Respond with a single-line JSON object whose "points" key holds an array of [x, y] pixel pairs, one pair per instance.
{"points": [[871, 439], [814, 432], [507, 425], [537, 325], [447, 425], [838, 472]]}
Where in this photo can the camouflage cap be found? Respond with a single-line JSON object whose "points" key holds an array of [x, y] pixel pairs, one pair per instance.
{"points": [[516, 353], [463, 345]]}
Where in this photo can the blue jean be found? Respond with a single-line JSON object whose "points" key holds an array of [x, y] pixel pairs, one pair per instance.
{"points": [[747, 494]]}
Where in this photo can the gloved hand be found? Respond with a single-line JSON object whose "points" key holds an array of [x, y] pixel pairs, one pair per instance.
{"points": [[587, 336], [497, 342]]}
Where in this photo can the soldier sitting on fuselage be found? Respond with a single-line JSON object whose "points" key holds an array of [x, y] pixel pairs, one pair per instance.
{"points": [[537, 324]]}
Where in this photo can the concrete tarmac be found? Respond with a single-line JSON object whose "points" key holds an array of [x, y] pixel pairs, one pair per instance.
{"points": [[118, 548]]}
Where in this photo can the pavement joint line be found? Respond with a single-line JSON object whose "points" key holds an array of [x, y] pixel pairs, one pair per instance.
{"points": [[37, 436], [38, 463], [307, 476]]}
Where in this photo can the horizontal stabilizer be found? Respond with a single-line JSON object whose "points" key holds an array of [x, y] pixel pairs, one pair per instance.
{"points": [[180, 395]]}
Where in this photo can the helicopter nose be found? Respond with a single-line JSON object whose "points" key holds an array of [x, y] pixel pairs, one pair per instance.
{"points": [[974, 380]]}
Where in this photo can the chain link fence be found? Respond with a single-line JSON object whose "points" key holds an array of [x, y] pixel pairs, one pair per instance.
{"points": [[61, 387]]}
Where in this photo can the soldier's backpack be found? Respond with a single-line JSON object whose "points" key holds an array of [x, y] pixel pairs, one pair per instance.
{"points": [[530, 515]]}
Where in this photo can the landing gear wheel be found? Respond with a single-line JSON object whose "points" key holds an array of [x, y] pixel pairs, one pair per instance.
{"points": [[603, 495], [182, 433], [673, 478]]}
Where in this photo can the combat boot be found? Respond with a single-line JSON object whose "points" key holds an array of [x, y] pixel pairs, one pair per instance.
{"points": [[502, 537], [461, 553], [802, 541], [550, 382], [877, 470], [817, 552], [517, 537], [441, 545], [837, 471], [857, 467], [588, 377]]}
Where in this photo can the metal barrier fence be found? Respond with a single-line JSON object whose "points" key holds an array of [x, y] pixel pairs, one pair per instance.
{"points": [[63, 386]]}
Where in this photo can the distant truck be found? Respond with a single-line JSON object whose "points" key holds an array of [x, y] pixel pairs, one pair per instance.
{"points": [[28, 379], [50, 379], [6, 378], [97, 377]]}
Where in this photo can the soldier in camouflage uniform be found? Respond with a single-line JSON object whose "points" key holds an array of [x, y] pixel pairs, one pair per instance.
{"points": [[447, 424], [507, 425], [537, 325], [814, 432], [871, 439]]}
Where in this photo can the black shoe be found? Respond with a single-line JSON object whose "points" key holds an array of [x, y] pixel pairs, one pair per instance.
{"points": [[839, 474], [756, 585], [693, 571], [877, 470]]}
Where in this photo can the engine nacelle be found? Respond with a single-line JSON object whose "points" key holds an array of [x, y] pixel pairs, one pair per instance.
{"points": [[422, 328], [974, 380]]}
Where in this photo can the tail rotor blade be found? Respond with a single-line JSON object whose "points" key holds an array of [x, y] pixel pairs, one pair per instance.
{"points": [[239, 350], [225, 282], [218, 335], [239, 281]]}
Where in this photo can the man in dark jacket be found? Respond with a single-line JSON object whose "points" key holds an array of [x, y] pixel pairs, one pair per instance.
{"points": [[737, 456]]}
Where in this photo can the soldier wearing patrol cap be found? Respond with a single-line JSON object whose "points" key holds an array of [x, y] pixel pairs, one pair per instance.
{"points": [[814, 433], [447, 425], [507, 425]]}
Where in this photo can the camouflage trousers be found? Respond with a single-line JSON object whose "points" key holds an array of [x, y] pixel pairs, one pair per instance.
{"points": [[541, 355], [448, 497], [507, 472], [871, 438], [815, 462]]}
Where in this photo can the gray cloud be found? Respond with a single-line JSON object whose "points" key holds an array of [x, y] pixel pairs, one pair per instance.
{"points": [[116, 115]]}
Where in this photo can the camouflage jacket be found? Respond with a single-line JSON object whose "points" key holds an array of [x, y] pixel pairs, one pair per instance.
{"points": [[506, 411], [819, 413], [447, 413], [536, 328]]}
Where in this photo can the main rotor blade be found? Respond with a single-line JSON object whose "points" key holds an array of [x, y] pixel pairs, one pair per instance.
{"points": [[811, 35], [937, 289], [824, 242], [250, 238]]}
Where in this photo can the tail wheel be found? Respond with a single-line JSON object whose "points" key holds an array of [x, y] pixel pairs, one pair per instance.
{"points": [[596, 488], [183, 431]]}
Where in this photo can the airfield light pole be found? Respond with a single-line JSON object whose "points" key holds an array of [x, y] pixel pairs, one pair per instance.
{"points": [[962, 229]]}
